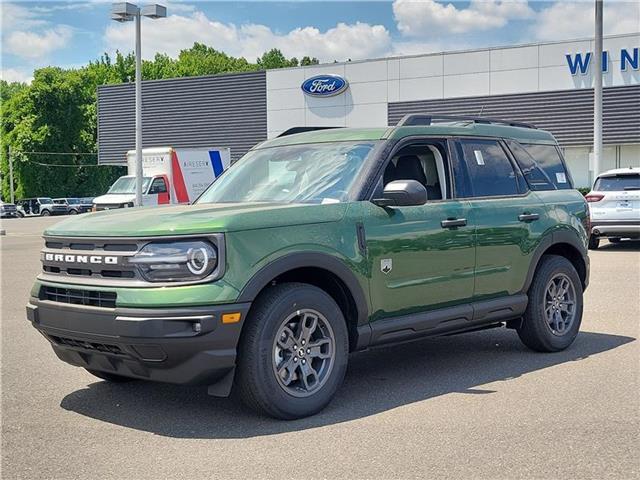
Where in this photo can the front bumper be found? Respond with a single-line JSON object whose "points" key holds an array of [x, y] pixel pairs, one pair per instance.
{"points": [[616, 228], [182, 346]]}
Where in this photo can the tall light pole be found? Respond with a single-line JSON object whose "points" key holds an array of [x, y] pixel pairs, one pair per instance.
{"points": [[597, 92], [125, 12]]}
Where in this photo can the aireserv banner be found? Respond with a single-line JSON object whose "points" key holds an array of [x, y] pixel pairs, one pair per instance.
{"points": [[195, 170]]}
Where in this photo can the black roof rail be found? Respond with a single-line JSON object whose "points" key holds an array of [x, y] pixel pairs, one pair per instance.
{"points": [[415, 119], [294, 130]]}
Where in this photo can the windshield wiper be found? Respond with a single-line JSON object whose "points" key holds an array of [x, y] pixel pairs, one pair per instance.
{"points": [[632, 188]]}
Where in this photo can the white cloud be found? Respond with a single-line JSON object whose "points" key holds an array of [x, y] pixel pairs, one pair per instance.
{"points": [[424, 18], [176, 32], [17, 15], [16, 75], [34, 45], [576, 19]]}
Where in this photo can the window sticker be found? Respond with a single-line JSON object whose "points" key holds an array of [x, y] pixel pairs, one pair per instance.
{"points": [[479, 159], [561, 177]]}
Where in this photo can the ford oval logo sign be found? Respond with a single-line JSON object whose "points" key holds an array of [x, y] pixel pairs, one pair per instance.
{"points": [[324, 85]]}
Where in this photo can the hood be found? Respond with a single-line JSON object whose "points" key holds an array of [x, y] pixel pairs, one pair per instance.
{"points": [[114, 198], [194, 219]]}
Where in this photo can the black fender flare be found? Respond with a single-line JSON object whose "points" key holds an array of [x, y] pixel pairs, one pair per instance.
{"points": [[323, 261], [560, 236]]}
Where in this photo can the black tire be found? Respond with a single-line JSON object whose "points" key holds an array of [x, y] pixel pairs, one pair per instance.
{"points": [[73, 212], [256, 379], [535, 330], [594, 242], [45, 213], [615, 240], [110, 377]]}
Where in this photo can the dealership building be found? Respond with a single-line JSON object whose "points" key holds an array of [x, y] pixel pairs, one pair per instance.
{"points": [[546, 84]]}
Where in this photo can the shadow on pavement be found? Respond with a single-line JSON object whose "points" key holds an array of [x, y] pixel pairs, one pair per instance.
{"points": [[378, 380], [622, 246]]}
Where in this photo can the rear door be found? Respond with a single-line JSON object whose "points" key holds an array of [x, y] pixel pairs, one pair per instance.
{"points": [[509, 217]]}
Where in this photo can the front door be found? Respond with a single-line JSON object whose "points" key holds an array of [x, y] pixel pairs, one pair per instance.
{"points": [[422, 257]]}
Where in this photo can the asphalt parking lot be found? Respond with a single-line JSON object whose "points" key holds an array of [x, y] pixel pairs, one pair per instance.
{"points": [[478, 405]]}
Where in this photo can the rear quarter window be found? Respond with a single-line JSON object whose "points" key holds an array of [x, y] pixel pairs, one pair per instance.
{"points": [[548, 159]]}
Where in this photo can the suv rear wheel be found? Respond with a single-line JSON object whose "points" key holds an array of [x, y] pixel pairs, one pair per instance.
{"points": [[293, 353], [45, 213], [554, 313]]}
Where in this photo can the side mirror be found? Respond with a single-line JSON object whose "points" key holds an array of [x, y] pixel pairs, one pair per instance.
{"points": [[402, 193]]}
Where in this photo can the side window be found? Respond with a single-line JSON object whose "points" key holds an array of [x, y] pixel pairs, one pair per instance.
{"points": [[549, 160], [488, 169], [158, 186], [425, 163], [536, 176]]}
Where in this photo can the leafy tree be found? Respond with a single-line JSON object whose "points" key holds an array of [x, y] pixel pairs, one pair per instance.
{"points": [[274, 58], [203, 60], [309, 61], [57, 112], [51, 115]]}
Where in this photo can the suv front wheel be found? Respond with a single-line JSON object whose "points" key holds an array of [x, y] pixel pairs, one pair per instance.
{"points": [[554, 313], [293, 353]]}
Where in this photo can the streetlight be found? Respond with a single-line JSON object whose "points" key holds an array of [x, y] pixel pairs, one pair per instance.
{"points": [[125, 12], [597, 93]]}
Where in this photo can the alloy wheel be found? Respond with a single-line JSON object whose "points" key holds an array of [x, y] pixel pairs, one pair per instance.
{"points": [[303, 352], [560, 304]]}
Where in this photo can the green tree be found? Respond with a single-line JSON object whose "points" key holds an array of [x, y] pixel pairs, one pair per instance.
{"points": [[274, 58], [57, 112], [203, 60], [53, 114], [309, 61]]}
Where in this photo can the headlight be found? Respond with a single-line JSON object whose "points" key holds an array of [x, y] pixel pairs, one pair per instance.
{"points": [[176, 261]]}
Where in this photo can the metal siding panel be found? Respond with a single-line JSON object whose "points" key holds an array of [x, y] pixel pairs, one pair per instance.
{"points": [[568, 115], [219, 110]]}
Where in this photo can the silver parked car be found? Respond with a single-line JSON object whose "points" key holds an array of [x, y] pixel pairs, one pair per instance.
{"points": [[614, 205], [8, 210]]}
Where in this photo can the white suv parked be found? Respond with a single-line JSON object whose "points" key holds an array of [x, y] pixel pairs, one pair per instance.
{"points": [[614, 204]]}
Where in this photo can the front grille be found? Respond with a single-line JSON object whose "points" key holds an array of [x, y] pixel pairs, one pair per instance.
{"points": [[88, 346], [73, 258], [108, 206], [75, 296]]}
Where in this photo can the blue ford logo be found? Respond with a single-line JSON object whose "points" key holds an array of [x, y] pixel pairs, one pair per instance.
{"points": [[324, 85]]}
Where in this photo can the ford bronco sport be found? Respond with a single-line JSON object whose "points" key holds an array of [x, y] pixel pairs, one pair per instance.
{"points": [[317, 244]]}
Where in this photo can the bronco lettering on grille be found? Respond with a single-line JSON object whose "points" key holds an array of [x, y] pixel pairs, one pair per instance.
{"points": [[94, 259]]}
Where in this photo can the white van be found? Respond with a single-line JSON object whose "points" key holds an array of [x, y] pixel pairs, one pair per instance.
{"points": [[170, 176]]}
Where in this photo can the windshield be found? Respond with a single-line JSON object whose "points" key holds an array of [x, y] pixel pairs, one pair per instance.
{"points": [[128, 185], [311, 173], [618, 183]]}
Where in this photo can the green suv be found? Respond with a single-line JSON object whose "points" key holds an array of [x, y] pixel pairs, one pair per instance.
{"points": [[319, 243]]}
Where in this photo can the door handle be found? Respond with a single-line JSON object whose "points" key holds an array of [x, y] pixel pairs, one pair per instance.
{"points": [[528, 217], [453, 222]]}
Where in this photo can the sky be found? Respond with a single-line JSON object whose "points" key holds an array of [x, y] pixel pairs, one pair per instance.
{"points": [[72, 33]]}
